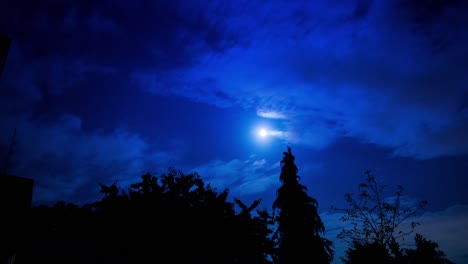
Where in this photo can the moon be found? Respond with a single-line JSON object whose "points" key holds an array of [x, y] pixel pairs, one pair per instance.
{"points": [[263, 132]]}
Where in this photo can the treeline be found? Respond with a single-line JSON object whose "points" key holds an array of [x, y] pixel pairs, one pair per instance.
{"points": [[173, 218], [177, 218]]}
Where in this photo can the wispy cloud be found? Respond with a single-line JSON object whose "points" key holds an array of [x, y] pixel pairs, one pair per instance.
{"points": [[242, 177], [270, 114]]}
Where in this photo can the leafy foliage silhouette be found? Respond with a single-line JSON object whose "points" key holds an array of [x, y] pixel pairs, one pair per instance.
{"points": [[426, 252], [364, 252], [173, 218], [298, 235]]}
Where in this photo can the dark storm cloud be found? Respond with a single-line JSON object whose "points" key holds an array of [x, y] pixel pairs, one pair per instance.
{"points": [[440, 21], [58, 45], [362, 8], [142, 34]]}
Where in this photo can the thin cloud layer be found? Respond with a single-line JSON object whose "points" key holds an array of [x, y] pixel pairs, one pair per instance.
{"points": [[241, 177]]}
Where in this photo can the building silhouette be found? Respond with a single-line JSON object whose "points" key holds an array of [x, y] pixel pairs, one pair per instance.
{"points": [[4, 47], [15, 197], [15, 205], [15, 193]]}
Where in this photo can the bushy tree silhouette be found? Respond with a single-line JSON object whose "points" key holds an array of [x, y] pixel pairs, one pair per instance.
{"points": [[426, 252], [298, 235], [255, 233], [359, 253], [171, 218]]}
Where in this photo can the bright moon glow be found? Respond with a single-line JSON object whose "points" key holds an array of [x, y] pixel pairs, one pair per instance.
{"points": [[263, 132]]}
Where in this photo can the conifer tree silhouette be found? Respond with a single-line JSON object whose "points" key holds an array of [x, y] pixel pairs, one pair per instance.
{"points": [[298, 235]]}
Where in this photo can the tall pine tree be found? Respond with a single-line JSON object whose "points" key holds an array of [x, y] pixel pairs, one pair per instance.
{"points": [[298, 235]]}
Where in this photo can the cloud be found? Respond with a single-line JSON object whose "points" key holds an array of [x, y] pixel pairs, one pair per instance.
{"points": [[241, 177], [438, 20], [67, 163], [270, 114], [389, 73], [446, 227], [384, 72], [345, 69], [68, 55], [153, 32], [74, 41]]}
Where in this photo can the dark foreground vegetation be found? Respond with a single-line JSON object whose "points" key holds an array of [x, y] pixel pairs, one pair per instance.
{"points": [[174, 218], [177, 218]]}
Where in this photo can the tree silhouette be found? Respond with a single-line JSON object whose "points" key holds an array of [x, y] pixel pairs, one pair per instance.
{"points": [[181, 213], [298, 235], [374, 233], [178, 212], [254, 232], [169, 218], [426, 252], [359, 253], [374, 219]]}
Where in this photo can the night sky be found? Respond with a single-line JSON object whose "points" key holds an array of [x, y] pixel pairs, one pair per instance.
{"points": [[104, 91]]}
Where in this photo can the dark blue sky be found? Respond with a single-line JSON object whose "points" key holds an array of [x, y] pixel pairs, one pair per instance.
{"points": [[104, 91]]}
